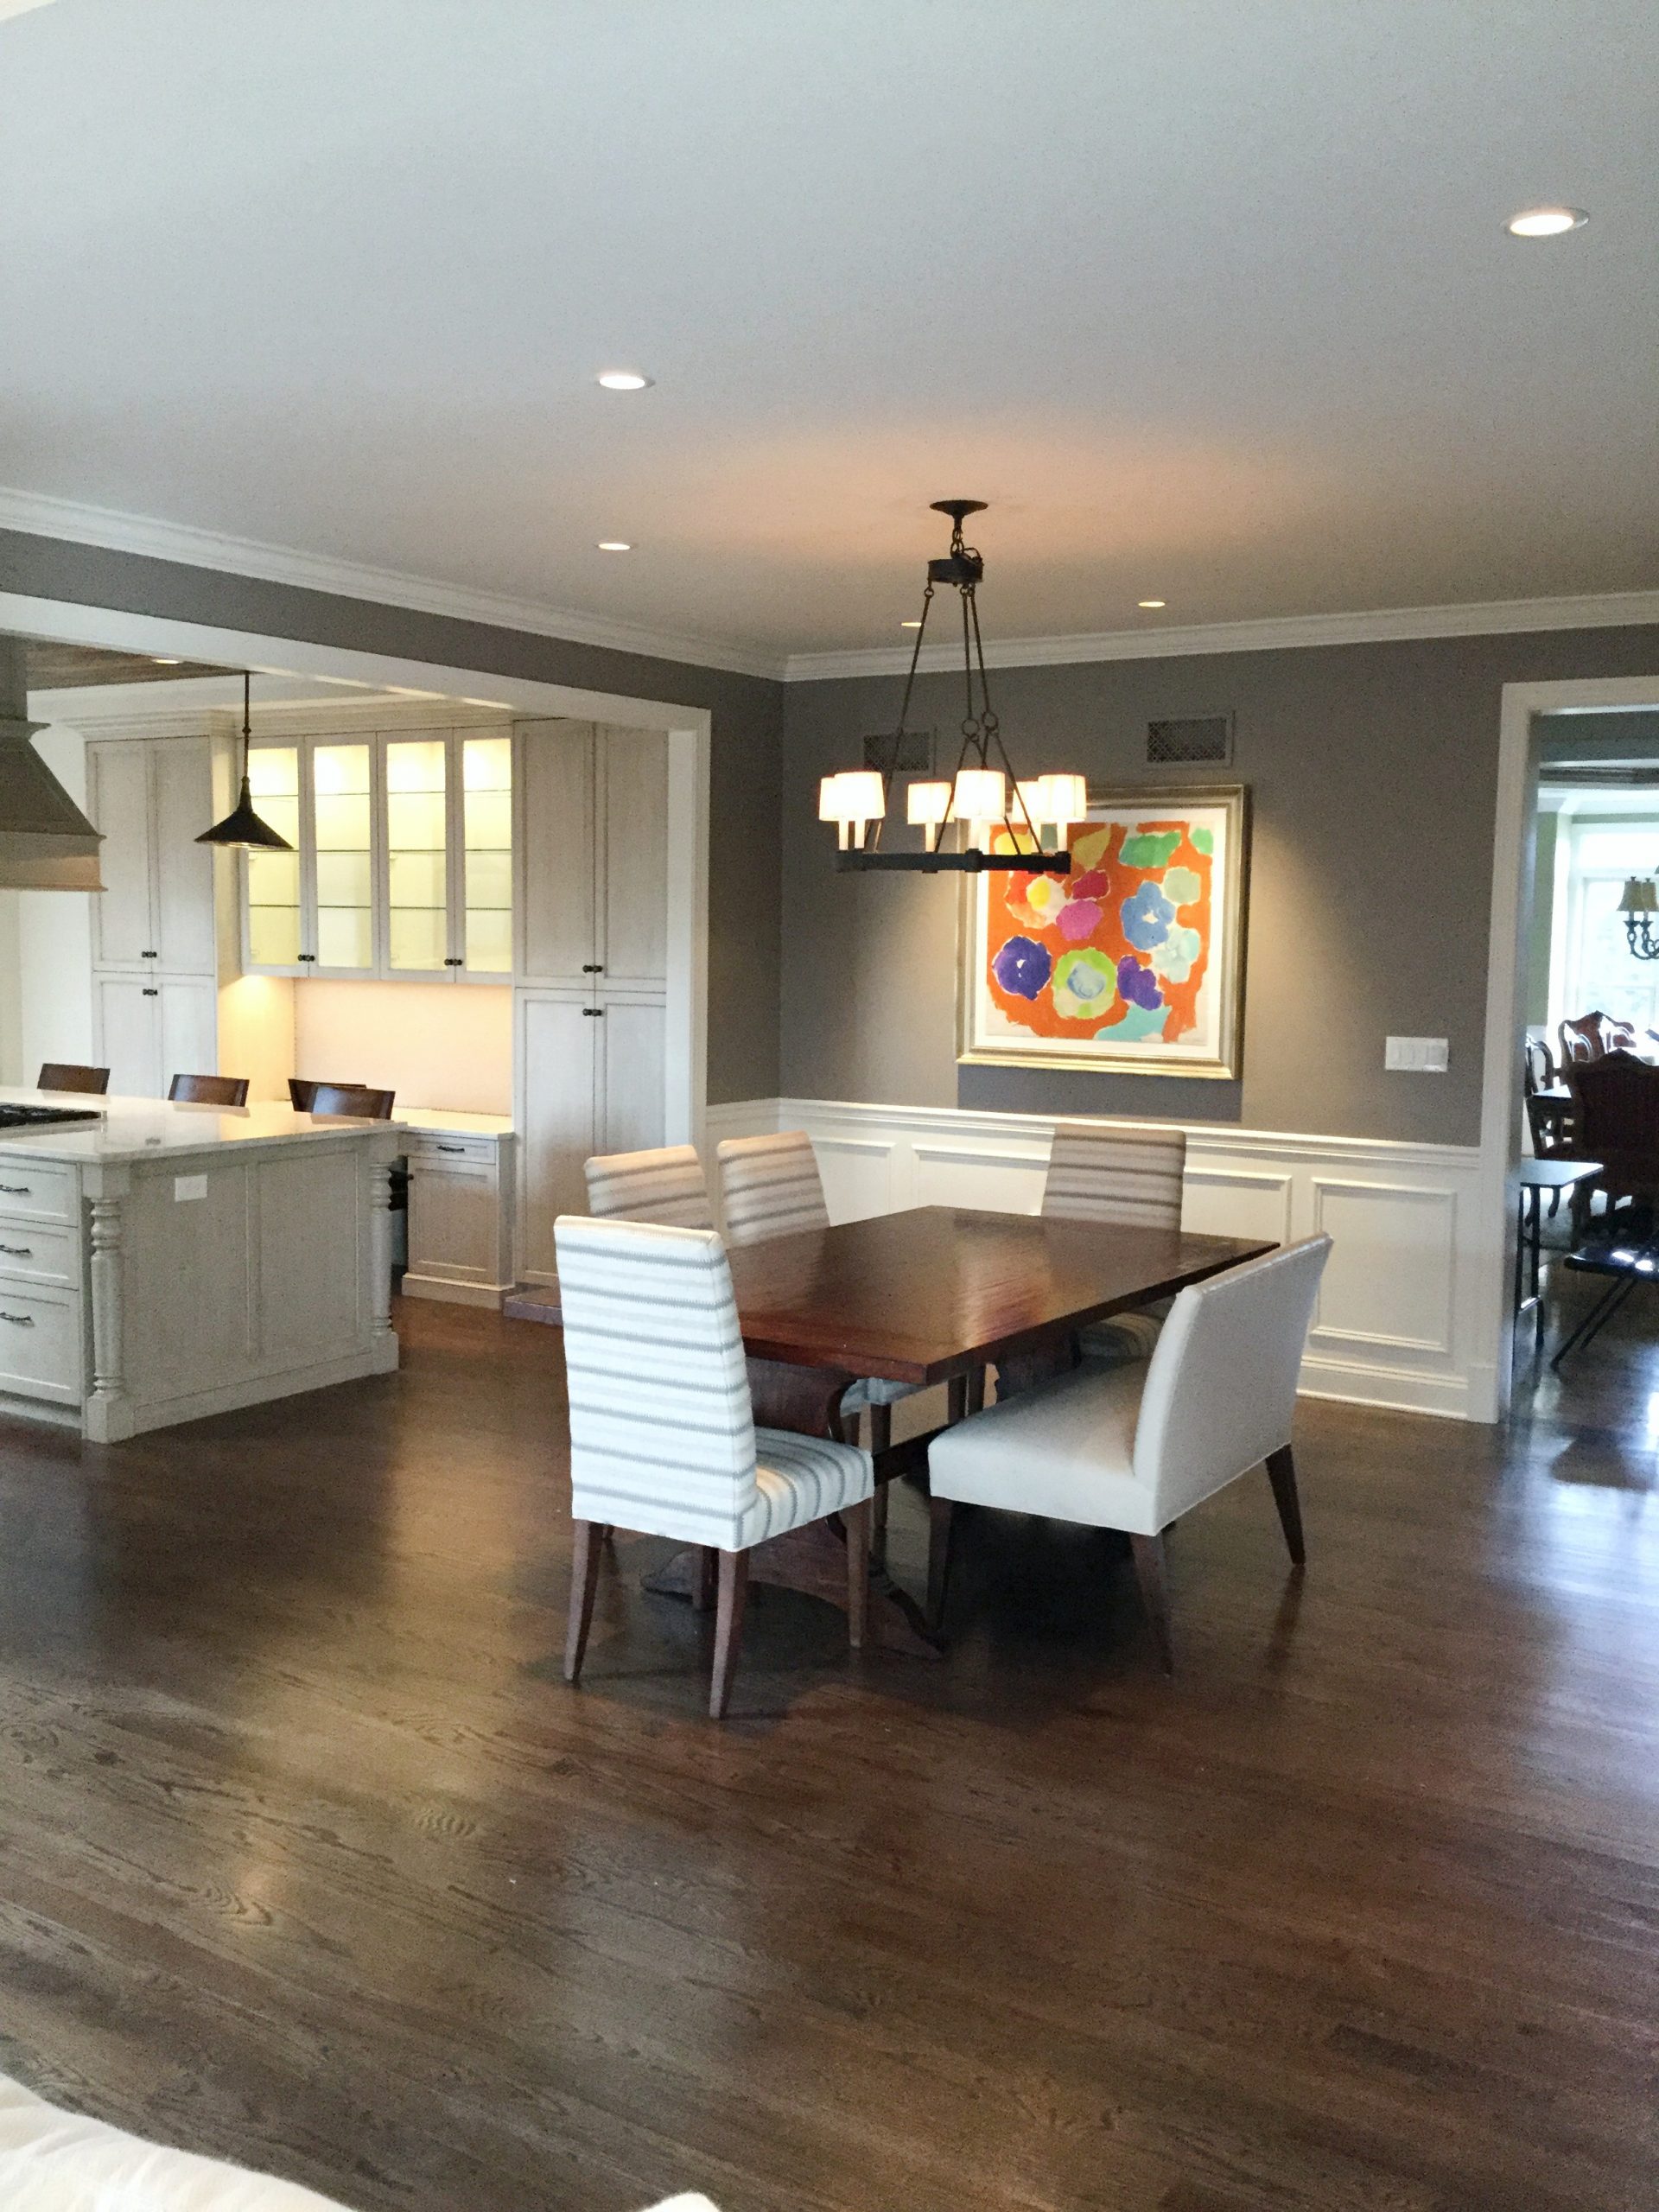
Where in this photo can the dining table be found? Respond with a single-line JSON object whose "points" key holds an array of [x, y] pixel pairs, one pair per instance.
{"points": [[930, 1295]]}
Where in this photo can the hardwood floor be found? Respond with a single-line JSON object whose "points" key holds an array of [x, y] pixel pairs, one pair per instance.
{"points": [[308, 1857]]}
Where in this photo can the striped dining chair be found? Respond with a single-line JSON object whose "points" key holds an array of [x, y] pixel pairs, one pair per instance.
{"points": [[1122, 1177], [663, 1438], [770, 1187], [664, 1184]]}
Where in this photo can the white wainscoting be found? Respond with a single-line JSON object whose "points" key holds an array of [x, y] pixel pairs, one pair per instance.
{"points": [[1394, 1324]]}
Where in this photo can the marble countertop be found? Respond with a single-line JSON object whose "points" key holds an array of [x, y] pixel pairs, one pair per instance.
{"points": [[139, 1128], [450, 1121]]}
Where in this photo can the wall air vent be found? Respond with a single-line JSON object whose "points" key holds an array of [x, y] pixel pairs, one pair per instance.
{"points": [[1208, 738], [915, 753]]}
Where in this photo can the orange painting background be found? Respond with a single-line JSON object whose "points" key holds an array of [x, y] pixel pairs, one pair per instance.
{"points": [[1096, 849]]}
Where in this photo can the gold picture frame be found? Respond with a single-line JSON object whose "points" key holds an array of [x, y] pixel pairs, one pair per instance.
{"points": [[1050, 979]]}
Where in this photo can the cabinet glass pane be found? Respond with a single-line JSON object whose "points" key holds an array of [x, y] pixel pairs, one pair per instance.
{"points": [[340, 785], [486, 816], [416, 844], [273, 878]]}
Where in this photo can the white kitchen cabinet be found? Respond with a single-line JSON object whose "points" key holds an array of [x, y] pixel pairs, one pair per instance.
{"points": [[590, 1079], [147, 1028], [591, 1011], [593, 836], [460, 1215], [404, 864], [151, 798]]}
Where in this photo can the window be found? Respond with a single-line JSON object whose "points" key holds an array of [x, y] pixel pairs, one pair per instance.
{"points": [[1597, 968]]}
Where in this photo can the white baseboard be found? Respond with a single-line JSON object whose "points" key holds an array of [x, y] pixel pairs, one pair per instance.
{"points": [[1394, 1325]]}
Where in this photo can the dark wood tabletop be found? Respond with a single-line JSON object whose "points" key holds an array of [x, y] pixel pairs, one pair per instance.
{"points": [[934, 1293]]}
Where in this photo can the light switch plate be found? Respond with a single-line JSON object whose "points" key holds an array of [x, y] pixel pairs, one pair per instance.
{"points": [[1417, 1055], [188, 1186]]}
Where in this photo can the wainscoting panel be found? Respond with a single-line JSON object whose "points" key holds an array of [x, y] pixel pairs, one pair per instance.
{"points": [[1393, 1326]]}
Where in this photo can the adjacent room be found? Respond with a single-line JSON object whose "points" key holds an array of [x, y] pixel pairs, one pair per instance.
{"points": [[828, 1106]]}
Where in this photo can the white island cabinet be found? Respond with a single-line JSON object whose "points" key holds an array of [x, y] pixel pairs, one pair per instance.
{"points": [[164, 1261]]}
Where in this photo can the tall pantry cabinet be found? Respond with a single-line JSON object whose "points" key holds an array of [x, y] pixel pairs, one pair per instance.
{"points": [[154, 986], [591, 965]]}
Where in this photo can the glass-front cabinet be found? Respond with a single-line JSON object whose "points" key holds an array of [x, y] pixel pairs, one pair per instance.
{"points": [[403, 866]]}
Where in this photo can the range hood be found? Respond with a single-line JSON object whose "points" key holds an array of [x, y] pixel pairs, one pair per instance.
{"points": [[46, 842]]}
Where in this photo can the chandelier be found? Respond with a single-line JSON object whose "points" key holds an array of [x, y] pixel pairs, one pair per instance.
{"points": [[1639, 905], [984, 798]]}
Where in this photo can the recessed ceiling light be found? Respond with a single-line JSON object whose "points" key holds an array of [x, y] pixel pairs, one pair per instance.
{"points": [[1545, 222], [615, 545], [910, 626], [623, 380], [1151, 602], [168, 660]]}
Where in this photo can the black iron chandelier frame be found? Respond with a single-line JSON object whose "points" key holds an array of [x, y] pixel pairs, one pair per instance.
{"points": [[981, 747]]}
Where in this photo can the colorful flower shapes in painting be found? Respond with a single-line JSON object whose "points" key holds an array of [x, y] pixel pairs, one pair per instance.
{"points": [[1137, 986], [1085, 984], [1146, 915], [1022, 967]]}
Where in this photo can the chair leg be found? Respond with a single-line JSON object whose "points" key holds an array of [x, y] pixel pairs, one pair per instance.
{"points": [[856, 1519], [880, 1440], [942, 1518], [702, 1597], [584, 1581], [1282, 1473], [1154, 1595], [729, 1628]]}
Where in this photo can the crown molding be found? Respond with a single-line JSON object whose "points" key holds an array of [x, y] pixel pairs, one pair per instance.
{"points": [[41, 516], [1277, 633]]}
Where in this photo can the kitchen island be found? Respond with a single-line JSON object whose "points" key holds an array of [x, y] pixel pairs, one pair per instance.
{"points": [[161, 1261]]}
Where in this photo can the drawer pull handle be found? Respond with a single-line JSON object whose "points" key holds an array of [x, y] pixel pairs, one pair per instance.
{"points": [[19, 1320], [150, 991], [18, 1251], [592, 968], [16, 1190], [148, 955], [442, 1148]]}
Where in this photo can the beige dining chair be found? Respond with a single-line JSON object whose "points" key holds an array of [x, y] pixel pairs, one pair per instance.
{"points": [[663, 1438], [665, 1184], [1125, 1176], [1134, 1446]]}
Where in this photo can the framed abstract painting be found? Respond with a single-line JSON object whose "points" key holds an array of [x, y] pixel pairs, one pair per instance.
{"points": [[1135, 962]]}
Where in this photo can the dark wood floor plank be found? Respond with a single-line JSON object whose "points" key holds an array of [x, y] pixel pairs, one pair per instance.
{"points": [[308, 1856]]}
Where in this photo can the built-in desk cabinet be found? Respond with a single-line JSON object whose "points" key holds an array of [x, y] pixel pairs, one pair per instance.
{"points": [[403, 866], [155, 991], [461, 1203]]}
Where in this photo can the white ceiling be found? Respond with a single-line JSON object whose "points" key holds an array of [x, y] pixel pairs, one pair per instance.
{"points": [[1211, 298]]}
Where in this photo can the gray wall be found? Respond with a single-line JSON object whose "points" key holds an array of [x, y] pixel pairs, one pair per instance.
{"points": [[746, 711], [1372, 771]]}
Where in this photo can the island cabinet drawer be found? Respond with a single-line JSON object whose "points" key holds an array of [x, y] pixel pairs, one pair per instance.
{"points": [[36, 1251], [39, 1343], [31, 1193], [425, 1148]]}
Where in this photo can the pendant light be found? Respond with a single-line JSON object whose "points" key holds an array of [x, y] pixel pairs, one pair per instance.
{"points": [[984, 794], [242, 826]]}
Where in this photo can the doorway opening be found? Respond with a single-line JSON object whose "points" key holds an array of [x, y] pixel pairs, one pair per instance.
{"points": [[1572, 1053]]}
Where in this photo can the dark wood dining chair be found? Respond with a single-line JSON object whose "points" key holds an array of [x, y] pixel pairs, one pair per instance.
{"points": [[208, 1090], [356, 1100], [1590, 1037], [1615, 1121], [63, 1075]]}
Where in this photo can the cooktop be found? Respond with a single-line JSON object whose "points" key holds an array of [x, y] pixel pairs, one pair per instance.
{"points": [[40, 1117]]}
